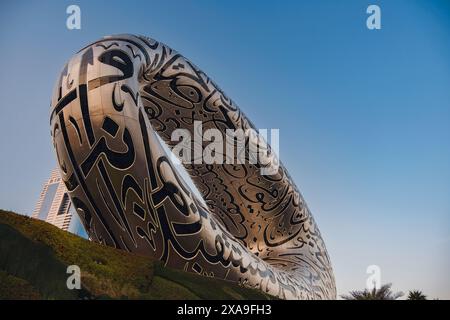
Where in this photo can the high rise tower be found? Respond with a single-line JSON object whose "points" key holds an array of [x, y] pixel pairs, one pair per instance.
{"points": [[54, 206]]}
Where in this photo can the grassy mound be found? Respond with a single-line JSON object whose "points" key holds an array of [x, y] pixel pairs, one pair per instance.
{"points": [[34, 256]]}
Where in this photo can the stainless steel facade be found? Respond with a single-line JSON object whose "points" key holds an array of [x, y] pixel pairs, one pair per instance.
{"points": [[110, 102]]}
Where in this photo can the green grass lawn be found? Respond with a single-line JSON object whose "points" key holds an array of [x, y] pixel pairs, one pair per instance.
{"points": [[34, 256]]}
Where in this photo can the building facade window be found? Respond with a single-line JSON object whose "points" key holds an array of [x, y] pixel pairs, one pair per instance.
{"points": [[64, 204], [48, 200]]}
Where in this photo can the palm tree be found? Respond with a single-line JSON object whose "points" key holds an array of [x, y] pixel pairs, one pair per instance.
{"points": [[383, 293], [416, 295]]}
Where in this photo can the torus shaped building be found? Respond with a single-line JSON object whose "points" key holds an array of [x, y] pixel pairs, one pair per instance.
{"points": [[114, 104]]}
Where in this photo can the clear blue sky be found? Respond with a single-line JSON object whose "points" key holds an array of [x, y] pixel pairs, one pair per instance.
{"points": [[364, 116]]}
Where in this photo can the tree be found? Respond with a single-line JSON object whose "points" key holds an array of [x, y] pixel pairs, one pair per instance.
{"points": [[416, 295], [383, 293]]}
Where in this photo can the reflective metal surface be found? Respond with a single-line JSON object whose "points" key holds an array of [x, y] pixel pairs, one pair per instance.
{"points": [[109, 103]]}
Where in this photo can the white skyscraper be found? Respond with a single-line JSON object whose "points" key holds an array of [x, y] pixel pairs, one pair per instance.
{"points": [[54, 206]]}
